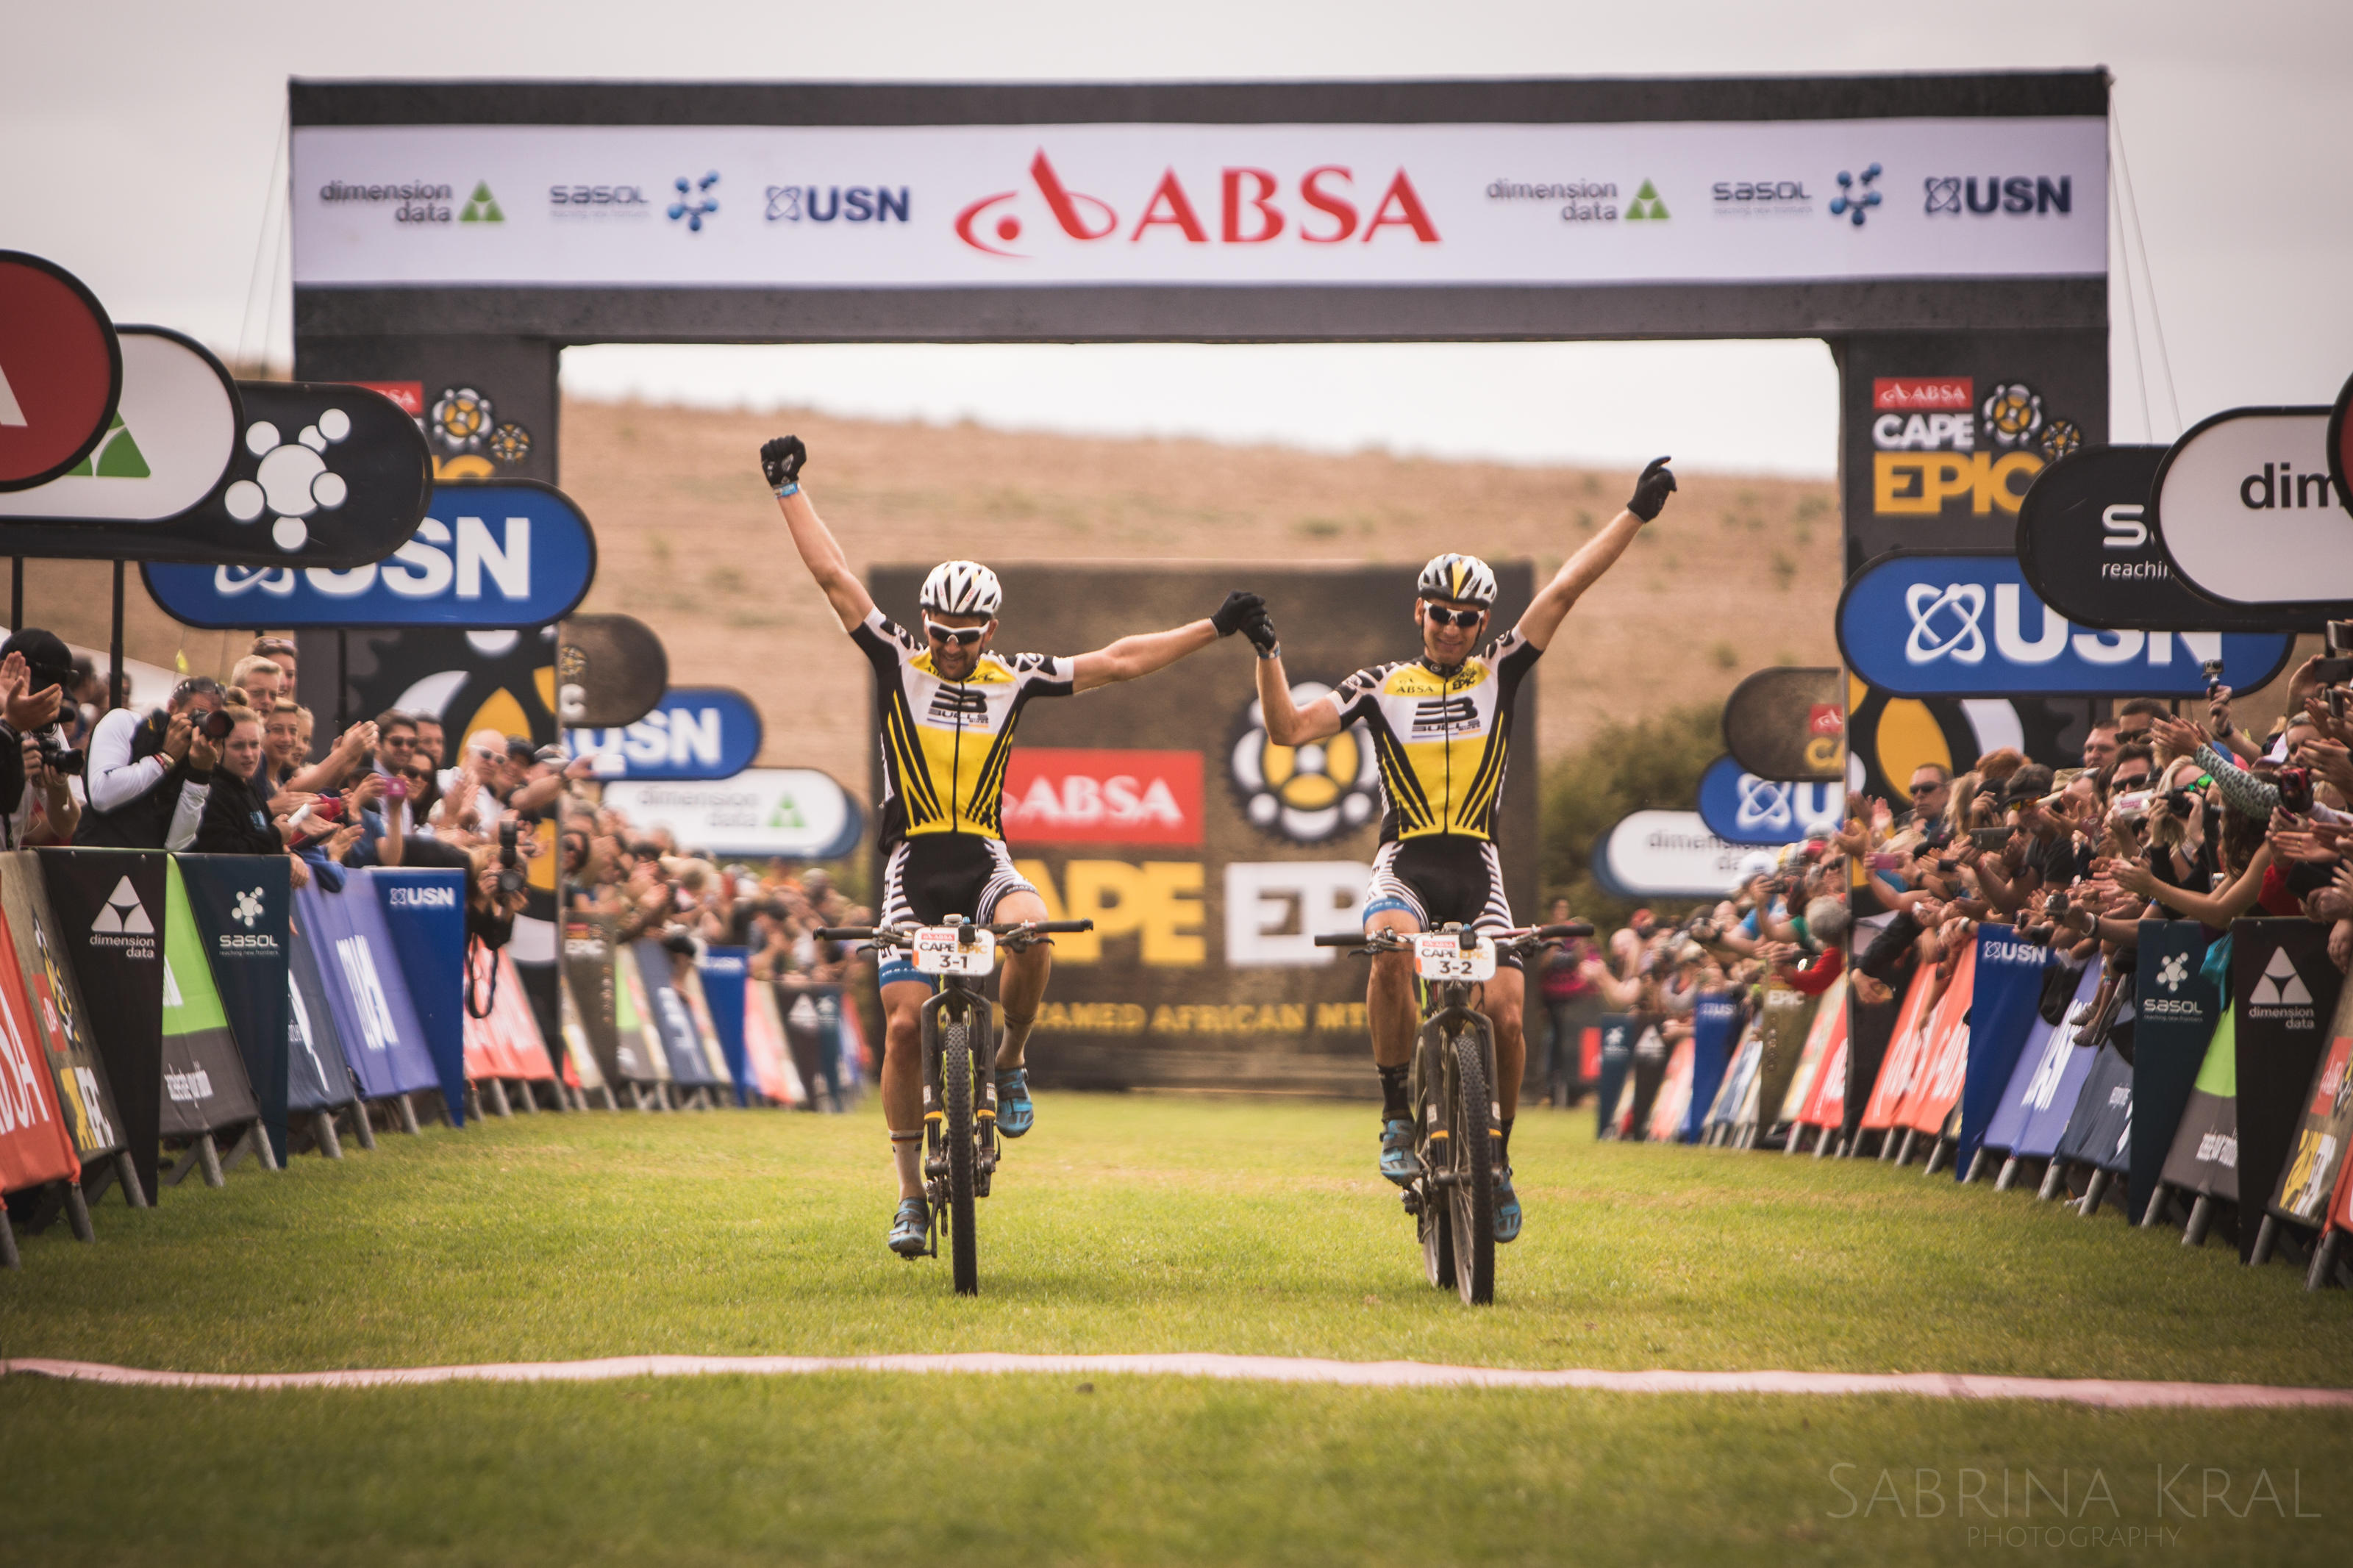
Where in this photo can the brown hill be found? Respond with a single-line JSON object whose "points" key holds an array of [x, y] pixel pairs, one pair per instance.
{"points": [[1740, 572]]}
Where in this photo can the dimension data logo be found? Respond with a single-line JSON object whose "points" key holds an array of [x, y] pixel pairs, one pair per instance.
{"points": [[481, 206], [415, 201]]}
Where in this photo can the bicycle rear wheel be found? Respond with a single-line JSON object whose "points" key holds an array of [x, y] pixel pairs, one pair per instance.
{"points": [[955, 1103], [1471, 1200]]}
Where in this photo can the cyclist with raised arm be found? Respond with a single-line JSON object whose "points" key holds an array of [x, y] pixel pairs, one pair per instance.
{"points": [[948, 704], [1440, 726]]}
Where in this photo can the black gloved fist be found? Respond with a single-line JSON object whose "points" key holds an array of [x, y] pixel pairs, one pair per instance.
{"points": [[1258, 626], [1650, 491], [1235, 611], [781, 461]]}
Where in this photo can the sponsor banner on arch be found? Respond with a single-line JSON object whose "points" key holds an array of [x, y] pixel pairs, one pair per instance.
{"points": [[1741, 808], [2246, 508], [505, 554], [693, 732], [1020, 206], [1933, 625]]}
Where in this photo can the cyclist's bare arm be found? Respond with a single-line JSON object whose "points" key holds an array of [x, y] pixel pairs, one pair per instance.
{"points": [[1287, 724], [1584, 569], [1140, 655], [821, 553]]}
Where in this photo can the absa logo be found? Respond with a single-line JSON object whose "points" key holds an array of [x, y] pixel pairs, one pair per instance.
{"points": [[1247, 210]]}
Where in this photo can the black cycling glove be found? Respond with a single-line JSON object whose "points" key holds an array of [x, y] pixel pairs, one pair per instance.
{"points": [[1235, 611], [781, 461], [1652, 489], [1258, 626]]}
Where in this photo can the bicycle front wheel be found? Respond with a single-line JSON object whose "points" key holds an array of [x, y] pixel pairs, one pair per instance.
{"points": [[1471, 1198], [955, 1103]]}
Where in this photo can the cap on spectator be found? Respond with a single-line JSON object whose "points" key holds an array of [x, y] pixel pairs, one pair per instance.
{"points": [[1755, 863], [2032, 782], [46, 653], [520, 749], [554, 756]]}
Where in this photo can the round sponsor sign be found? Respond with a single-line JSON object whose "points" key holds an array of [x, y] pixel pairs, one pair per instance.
{"points": [[610, 670], [173, 432], [2245, 510], [2340, 445], [61, 370], [1788, 723], [2084, 543], [795, 812]]}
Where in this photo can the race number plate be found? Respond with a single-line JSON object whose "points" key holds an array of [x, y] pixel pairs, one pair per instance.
{"points": [[939, 950], [1439, 955]]}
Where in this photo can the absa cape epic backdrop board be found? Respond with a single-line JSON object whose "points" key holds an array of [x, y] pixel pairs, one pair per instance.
{"points": [[1788, 723], [109, 905], [2086, 548], [1202, 969], [84, 1091], [2286, 989], [61, 370], [1936, 625], [2245, 510]]}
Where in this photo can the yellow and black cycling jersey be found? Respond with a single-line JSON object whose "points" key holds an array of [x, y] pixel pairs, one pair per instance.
{"points": [[944, 743], [1442, 738]]}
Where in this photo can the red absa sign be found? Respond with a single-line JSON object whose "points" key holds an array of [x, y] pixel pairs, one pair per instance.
{"points": [[1070, 795], [61, 370]]}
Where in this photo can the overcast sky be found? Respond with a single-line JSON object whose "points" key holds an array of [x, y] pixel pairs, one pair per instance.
{"points": [[137, 145]]}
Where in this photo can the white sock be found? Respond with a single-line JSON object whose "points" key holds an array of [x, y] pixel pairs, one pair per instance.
{"points": [[907, 1153]]}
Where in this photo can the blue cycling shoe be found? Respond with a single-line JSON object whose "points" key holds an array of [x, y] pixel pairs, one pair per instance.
{"points": [[910, 1230], [1398, 1160], [1016, 1111], [1507, 1207]]}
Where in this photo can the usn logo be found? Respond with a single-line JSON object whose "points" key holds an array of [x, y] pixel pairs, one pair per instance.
{"points": [[421, 898], [1948, 623], [1325, 205], [2018, 195]]}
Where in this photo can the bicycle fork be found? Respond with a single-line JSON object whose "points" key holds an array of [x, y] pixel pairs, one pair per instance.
{"points": [[1435, 1086], [971, 1008]]}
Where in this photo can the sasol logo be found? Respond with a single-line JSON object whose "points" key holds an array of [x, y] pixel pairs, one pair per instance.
{"points": [[2171, 1007], [2016, 194], [853, 203], [239, 943], [422, 898], [599, 201], [1325, 205], [1745, 198]]}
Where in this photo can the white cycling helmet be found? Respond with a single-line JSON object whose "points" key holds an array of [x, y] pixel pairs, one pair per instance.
{"points": [[962, 588], [1465, 579]]}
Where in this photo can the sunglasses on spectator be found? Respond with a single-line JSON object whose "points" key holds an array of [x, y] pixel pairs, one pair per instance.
{"points": [[962, 636], [417, 776], [1919, 789], [1466, 619]]}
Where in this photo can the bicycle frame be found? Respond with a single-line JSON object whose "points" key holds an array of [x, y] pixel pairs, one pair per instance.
{"points": [[959, 994]]}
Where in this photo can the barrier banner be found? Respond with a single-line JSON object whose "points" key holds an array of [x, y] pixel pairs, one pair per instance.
{"points": [[2002, 1019], [1588, 1054], [318, 1067], [1944, 1055], [1902, 1059], [2286, 991], [1715, 1024], [723, 973], [1785, 1023], [1617, 1030], [206, 1085], [241, 904], [506, 1044], [763, 1046], [2057, 1086], [593, 991], [698, 1007], [2322, 1133], [2178, 1012], [2041, 1062], [1650, 1067], [579, 1068], [35, 1148], [672, 1019], [2204, 1160], [1869, 1028], [1826, 1104], [633, 1020], [423, 913], [1724, 1106], [382, 1038], [2099, 1133], [105, 901], [1827, 1024], [1672, 1104], [84, 1096]]}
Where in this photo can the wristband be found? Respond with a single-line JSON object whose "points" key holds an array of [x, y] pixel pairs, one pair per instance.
{"points": [[1274, 652], [789, 488]]}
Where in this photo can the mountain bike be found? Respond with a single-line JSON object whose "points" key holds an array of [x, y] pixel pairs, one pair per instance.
{"points": [[1457, 1125], [959, 1033]]}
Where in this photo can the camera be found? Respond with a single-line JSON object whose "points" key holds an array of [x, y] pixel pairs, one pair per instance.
{"points": [[2057, 908], [510, 878], [60, 758], [2178, 801], [2294, 790], [2214, 669]]}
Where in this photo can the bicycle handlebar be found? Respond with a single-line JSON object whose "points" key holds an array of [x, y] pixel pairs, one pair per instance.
{"points": [[1534, 936], [899, 933]]}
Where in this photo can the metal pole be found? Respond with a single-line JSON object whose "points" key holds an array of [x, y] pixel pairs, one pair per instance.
{"points": [[342, 680], [16, 597], [118, 690]]}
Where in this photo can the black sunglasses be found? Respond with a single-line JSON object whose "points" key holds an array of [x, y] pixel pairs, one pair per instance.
{"points": [[1446, 617], [962, 636], [1925, 788]]}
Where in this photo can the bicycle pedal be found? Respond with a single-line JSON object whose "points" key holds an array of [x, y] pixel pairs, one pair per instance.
{"points": [[1412, 1202]]}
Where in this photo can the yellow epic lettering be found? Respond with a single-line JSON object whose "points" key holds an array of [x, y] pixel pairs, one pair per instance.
{"points": [[1159, 901]]}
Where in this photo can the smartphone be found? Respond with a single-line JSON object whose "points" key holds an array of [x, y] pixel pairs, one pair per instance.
{"points": [[1992, 840], [1882, 861], [2332, 672], [2214, 669], [2132, 801]]}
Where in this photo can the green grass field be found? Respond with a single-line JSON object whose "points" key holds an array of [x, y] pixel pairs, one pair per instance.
{"points": [[1139, 1225]]}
